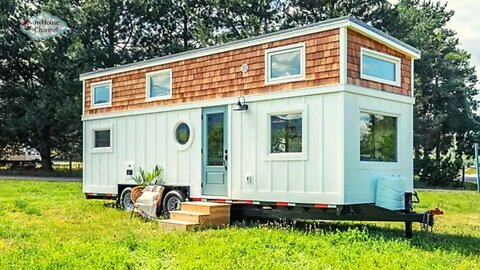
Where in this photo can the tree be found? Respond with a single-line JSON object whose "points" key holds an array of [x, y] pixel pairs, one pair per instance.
{"points": [[301, 12], [444, 119], [39, 88]]}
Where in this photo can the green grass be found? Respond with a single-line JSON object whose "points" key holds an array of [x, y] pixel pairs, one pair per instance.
{"points": [[470, 170], [49, 225]]}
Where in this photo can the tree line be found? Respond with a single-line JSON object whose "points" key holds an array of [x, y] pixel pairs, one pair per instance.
{"points": [[41, 96]]}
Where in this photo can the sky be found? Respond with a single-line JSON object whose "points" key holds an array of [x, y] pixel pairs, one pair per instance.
{"points": [[466, 23]]}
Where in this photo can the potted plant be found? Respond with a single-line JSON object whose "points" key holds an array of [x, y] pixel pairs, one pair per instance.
{"points": [[144, 178]]}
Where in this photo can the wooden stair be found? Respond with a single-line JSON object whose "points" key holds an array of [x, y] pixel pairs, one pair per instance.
{"points": [[194, 215]]}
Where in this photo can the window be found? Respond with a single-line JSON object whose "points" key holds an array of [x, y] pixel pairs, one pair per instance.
{"points": [[159, 85], [102, 138], [182, 133], [378, 137], [102, 94], [286, 133], [380, 67], [285, 63]]}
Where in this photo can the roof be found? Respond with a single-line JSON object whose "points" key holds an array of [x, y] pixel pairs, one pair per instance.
{"points": [[346, 21]]}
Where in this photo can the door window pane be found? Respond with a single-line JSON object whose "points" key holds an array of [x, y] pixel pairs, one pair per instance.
{"points": [[378, 137], [102, 138], [215, 139], [286, 133]]}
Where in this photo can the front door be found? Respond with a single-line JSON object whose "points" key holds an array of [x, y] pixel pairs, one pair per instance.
{"points": [[214, 151]]}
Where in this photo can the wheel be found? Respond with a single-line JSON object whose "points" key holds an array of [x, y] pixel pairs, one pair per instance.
{"points": [[125, 200], [172, 201]]}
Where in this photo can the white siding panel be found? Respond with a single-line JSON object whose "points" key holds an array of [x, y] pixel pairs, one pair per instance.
{"points": [[361, 177], [330, 172], [332, 144], [313, 176]]}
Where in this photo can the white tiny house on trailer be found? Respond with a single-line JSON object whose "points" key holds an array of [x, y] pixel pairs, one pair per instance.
{"points": [[311, 116]]}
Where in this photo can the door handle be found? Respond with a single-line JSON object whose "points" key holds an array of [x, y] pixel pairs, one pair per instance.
{"points": [[225, 160]]}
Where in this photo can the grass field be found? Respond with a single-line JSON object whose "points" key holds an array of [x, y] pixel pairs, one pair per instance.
{"points": [[46, 225]]}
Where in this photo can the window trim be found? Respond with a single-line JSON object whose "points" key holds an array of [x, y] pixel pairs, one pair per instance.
{"points": [[102, 149], [283, 49], [92, 94], [182, 147], [397, 149], [288, 155], [384, 57], [147, 85]]}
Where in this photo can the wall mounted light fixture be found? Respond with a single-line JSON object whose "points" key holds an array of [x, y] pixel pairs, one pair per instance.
{"points": [[241, 105]]}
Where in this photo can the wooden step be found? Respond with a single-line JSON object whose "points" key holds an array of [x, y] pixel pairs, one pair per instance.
{"points": [[206, 207], [180, 225], [189, 216], [218, 219]]}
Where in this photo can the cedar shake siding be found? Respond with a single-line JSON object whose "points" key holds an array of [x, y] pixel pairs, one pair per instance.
{"points": [[355, 42], [218, 76]]}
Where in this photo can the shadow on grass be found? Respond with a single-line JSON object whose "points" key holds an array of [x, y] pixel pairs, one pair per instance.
{"points": [[429, 241]]}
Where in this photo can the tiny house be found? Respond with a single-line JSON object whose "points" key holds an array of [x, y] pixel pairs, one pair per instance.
{"points": [[312, 116]]}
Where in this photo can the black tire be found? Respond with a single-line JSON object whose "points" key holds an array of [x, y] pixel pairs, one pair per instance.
{"points": [[125, 201], [172, 201]]}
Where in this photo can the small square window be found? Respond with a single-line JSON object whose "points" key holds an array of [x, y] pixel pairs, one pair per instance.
{"points": [[285, 64], [378, 137], [379, 67], [159, 85], [102, 94], [102, 138], [286, 133]]}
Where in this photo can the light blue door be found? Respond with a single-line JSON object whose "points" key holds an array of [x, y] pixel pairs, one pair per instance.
{"points": [[214, 151]]}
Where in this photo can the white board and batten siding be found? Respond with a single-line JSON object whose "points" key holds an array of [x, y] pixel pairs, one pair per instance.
{"points": [[315, 177], [145, 140], [329, 170], [361, 176]]}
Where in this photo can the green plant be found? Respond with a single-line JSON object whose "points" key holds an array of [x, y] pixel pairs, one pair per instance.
{"points": [[144, 178]]}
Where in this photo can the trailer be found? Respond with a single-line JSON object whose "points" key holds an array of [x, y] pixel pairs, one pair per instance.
{"points": [[306, 120]]}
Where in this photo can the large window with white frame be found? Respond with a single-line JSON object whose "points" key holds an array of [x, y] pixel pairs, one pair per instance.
{"points": [[287, 134], [284, 64], [101, 94], [159, 85], [378, 137], [380, 67]]}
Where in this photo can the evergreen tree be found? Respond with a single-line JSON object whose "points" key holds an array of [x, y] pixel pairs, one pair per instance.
{"points": [[444, 120]]}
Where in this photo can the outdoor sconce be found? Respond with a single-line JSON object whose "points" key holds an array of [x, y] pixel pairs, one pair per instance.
{"points": [[241, 105]]}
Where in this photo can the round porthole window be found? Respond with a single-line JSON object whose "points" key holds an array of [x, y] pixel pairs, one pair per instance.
{"points": [[182, 133]]}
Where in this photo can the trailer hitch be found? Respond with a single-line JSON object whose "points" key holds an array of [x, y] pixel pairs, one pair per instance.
{"points": [[429, 219]]}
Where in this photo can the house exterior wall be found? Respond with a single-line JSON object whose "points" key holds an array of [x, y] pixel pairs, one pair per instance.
{"points": [[361, 176], [147, 140], [315, 178], [330, 171], [355, 41], [219, 76]]}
